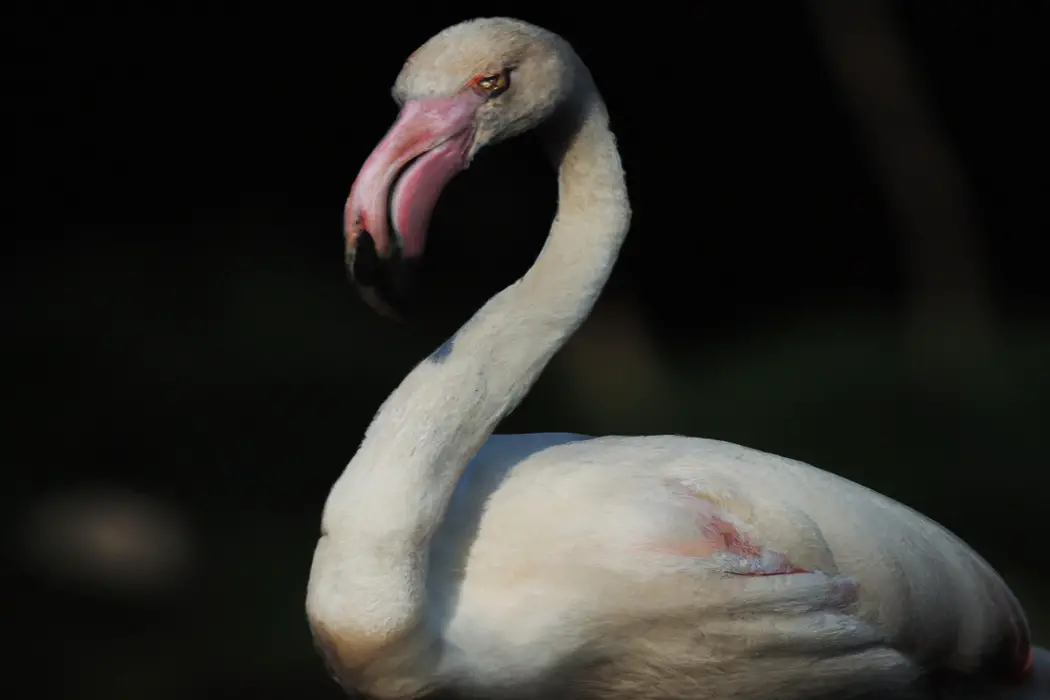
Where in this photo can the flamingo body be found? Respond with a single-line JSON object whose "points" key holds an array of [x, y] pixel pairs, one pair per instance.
{"points": [[518, 567]]}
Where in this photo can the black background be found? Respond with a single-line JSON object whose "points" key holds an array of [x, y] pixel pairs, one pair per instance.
{"points": [[188, 365]]}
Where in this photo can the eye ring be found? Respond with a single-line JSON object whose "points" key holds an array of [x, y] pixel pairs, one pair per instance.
{"points": [[491, 85]]}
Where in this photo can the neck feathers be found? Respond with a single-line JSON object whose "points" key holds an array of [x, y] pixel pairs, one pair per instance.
{"points": [[392, 496]]}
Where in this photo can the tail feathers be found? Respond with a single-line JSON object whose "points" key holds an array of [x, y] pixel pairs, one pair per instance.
{"points": [[1035, 686]]}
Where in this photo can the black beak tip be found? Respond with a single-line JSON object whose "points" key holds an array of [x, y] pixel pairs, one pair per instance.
{"points": [[385, 284]]}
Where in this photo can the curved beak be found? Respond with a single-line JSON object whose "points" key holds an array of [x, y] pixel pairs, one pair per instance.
{"points": [[392, 198]]}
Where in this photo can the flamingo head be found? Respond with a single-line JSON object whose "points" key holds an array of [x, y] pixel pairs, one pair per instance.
{"points": [[473, 84]]}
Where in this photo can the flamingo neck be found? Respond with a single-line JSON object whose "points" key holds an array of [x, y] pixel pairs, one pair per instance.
{"points": [[393, 494]]}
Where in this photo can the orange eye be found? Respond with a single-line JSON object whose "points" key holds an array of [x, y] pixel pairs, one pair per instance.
{"points": [[491, 85]]}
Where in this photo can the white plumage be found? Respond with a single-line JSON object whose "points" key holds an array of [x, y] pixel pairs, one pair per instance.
{"points": [[560, 566]]}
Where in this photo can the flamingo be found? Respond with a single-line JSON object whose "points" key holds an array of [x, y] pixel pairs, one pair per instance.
{"points": [[457, 563]]}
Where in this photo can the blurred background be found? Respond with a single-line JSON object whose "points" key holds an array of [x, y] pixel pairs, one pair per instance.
{"points": [[837, 255]]}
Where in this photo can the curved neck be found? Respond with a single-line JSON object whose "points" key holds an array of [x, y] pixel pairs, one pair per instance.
{"points": [[393, 493]]}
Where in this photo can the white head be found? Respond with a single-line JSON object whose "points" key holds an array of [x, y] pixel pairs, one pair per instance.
{"points": [[471, 85]]}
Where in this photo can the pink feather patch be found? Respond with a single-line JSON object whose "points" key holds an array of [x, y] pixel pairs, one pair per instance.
{"points": [[732, 551]]}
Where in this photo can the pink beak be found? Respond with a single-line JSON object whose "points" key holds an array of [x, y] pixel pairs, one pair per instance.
{"points": [[427, 145]]}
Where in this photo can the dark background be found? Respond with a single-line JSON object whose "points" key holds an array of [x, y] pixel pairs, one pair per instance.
{"points": [[837, 255]]}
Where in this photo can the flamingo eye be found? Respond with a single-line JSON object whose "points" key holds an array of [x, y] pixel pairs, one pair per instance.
{"points": [[491, 85]]}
